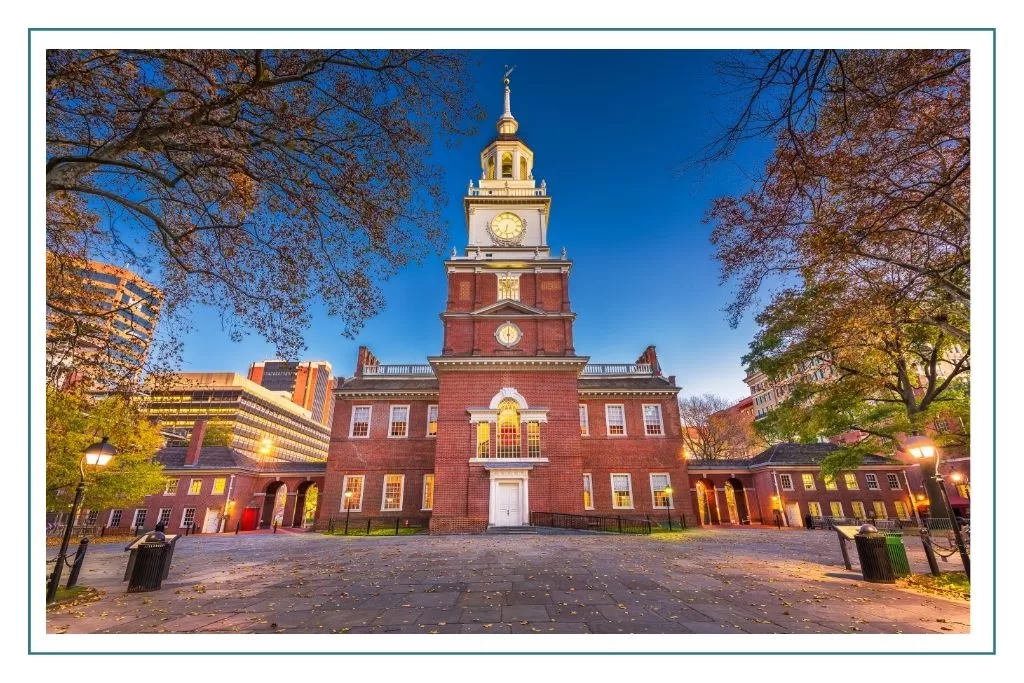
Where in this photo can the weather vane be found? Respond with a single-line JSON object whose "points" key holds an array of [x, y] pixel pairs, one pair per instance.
{"points": [[508, 72]]}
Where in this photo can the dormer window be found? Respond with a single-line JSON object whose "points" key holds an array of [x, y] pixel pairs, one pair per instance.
{"points": [[508, 287], [506, 165]]}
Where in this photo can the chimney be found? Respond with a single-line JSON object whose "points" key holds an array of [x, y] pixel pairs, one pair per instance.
{"points": [[671, 380], [195, 444]]}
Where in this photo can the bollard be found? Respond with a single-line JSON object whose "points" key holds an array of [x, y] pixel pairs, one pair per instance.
{"points": [[238, 527], [620, 524], [682, 520], [330, 525], [928, 552], [398, 520], [368, 526], [842, 546], [275, 526], [83, 545], [103, 531]]}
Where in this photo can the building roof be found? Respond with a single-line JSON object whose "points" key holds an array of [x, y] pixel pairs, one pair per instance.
{"points": [[782, 454], [648, 383], [387, 384], [225, 457]]}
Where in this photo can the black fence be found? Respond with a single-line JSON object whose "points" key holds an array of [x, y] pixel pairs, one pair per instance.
{"points": [[376, 526], [931, 523], [616, 525]]}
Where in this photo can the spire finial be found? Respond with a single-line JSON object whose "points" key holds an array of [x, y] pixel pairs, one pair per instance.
{"points": [[507, 123]]}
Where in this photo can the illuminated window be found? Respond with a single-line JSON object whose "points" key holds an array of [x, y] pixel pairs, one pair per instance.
{"points": [[588, 492], [164, 517], [837, 508], [786, 481], [830, 483], [508, 429], [584, 421], [622, 491], [894, 481], [522, 168], [391, 498], [188, 517], [399, 428], [901, 510], [218, 486], [508, 287], [428, 491], [353, 483], [483, 440], [880, 512], [660, 482], [490, 168], [115, 518], [533, 439], [506, 165], [652, 420], [858, 510], [360, 427], [431, 420], [195, 487], [850, 479], [170, 487], [813, 509], [808, 480], [615, 419]]}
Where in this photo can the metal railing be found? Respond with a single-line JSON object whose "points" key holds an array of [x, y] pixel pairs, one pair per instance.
{"points": [[617, 525], [398, 370], [618, 369], [508, 192]]}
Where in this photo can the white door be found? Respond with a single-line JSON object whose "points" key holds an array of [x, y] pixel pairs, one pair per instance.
{"points": [[211, 524], [793, 514], [507, 511]]}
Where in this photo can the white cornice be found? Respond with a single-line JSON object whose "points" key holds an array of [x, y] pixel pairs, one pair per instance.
{"points": [[668, 391], [502, 362]]}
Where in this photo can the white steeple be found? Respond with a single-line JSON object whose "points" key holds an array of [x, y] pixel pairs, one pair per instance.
{"points": [[507, 124]]}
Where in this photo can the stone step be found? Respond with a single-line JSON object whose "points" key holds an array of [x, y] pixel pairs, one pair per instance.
{"points": [[511, 530]]}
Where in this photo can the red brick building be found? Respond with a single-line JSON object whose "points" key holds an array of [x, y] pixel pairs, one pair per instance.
{"points": [[508, 419]]}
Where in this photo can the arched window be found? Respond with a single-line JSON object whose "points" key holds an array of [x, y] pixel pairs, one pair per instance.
{"points": [[483, 440], [490, 168], [522, 168], [506, 165], [508, 429]]}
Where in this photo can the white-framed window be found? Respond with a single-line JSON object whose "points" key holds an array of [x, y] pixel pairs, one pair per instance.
{"points": [[90, 518], [660, 482], [391, 494], [830, 483], [850, 479], [837, 508], [139, 518], [584, 421], [858, 510], [219, 484], [588, 492], [615, 419], [164, 517], [814, 508], [115, 518], [880, 511], [786, 481], [894, 481], [359, 427], [533, 439], [653, 425], [170, 487], [872, 481], [901, 510], [398, 425], [431, 420], [195, 487], [353, 483], [188, 517], [428, 492], [483, 440], [622, 491], [808, 480]]}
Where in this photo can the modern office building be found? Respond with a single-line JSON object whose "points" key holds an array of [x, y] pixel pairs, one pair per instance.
{"points": [[307, 383]]}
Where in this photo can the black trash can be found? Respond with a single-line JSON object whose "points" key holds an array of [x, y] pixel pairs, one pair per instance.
{"points": [[875, 563], [147, 573]]}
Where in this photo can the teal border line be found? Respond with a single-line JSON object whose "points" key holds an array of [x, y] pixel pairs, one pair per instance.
{"points": [[992, 30]]}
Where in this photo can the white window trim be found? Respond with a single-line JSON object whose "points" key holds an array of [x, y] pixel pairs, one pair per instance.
{"points": [[842, 511], [168, 482], [863, 510], [391, 420], [184, 513], [213, 486], [352, 422], [197, 493], [661, 419], [868, 478], [629, 482], [782, 481], [362, 490], [585, 422], [607, 422], [818, 505], [671, 498], [110, 517], [401, 493], [889, 481], [437, 413], [423, 498], [874, 508], [135, 517], [813, 486], [588, 477], [160, 513]]}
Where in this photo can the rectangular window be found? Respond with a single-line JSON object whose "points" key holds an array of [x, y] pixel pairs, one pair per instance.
{"points": [[894, 481], [880, 512], [391, 498], [830, 483], [483, 440], [533, 439], [786, 481], [661, 499], [615, 419], [139, 519], [195, 487], [814, 509], [850, 479], [164, 517], [808, 480], [584, 421], [428, 492], [431, 420], [837, 508], [218, 486], [622, 491], [170, 487], [588, 492], [360, 426], [508, 287], [90, 519], [115, 518], [652, 420], [399, 425], [352, 483], [901, 510], [188, 518], [858, 510]]}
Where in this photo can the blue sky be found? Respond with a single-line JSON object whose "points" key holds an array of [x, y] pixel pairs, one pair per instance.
{"points": [[611, 131]]}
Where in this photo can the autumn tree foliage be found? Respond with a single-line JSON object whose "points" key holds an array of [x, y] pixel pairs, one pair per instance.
{"points": [[711, 431], [259, 182]]}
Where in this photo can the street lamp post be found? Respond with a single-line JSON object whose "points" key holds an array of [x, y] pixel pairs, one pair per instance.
{"points": [[348, 509], [98, 455], [922, 447], [668, 505]]}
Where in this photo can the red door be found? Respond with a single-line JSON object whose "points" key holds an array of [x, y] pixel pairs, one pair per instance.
{"points": [[249, 518]]}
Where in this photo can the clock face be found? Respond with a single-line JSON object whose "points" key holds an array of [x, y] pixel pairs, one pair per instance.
{"points": [[507, 227], [508, 334]]}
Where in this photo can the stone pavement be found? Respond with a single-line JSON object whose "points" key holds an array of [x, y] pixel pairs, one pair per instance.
{"points": [[749, 580]]}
